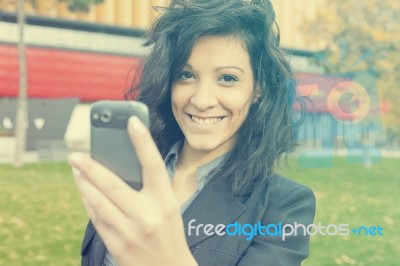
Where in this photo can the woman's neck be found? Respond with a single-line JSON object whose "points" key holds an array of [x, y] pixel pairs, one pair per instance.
{"points": [[191, 159]]}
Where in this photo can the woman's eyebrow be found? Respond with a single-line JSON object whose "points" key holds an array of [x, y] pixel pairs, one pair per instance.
{"points": [[234, 67], [190, 67], [187, 65]]}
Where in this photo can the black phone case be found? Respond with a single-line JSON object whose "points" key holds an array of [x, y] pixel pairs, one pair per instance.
{"points": [[110, 143]]}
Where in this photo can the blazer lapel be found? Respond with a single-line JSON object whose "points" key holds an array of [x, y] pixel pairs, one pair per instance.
{"points": [[213, 205], [99, 251]]}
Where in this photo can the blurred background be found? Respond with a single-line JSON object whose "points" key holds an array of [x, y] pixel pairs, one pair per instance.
{"points": [[59, 56]]}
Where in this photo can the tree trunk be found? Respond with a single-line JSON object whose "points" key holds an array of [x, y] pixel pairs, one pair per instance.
{"points": [[22, 107]]}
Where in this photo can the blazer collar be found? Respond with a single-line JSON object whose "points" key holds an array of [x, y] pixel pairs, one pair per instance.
{"points": [[99, 251], [213, 205]]}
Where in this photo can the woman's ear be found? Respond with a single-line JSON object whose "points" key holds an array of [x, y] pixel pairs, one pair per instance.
{"points": [[256, 95]]}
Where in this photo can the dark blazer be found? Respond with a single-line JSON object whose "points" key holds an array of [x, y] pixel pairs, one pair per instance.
{"points": [[281, 200]]}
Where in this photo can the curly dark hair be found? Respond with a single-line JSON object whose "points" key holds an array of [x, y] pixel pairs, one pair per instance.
{"points": [[269, 131]]}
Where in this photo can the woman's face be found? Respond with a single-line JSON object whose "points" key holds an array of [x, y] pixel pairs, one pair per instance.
{"points": [[212, 95]]}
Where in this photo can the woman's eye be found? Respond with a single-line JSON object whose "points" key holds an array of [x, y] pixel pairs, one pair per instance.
{"points": [[228, 78], [185, 75]]}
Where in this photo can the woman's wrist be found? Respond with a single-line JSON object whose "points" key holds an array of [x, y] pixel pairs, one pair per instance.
{"points": [[187, 261]]}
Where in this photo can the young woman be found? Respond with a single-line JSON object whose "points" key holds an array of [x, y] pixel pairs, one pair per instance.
{"points": [[220, 94]]}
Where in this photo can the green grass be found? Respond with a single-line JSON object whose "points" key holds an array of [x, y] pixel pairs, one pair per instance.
{"points": [[350, 193], [42, 220]]}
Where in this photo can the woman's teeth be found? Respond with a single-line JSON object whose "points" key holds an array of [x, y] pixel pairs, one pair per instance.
{"points": [[206, 121]]}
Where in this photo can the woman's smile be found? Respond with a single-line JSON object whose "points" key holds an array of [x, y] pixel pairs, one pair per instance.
{"points": [[205, 124]]}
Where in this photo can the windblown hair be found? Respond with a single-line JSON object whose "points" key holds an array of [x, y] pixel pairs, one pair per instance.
{"points": [[269, 131]]}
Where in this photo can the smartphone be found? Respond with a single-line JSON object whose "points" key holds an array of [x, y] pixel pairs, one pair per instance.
{"points": [[110, 142]]}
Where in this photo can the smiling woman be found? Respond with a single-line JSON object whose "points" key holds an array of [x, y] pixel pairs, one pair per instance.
{"points": [[220, 94]]}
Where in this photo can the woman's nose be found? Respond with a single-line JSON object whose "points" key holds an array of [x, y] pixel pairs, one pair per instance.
{"points": [[204, 96]]}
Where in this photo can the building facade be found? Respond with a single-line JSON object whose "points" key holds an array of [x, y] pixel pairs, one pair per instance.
{"points": [[139, 14]]}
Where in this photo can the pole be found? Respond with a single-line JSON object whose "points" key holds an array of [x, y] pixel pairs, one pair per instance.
{"points": [[22, 106]]}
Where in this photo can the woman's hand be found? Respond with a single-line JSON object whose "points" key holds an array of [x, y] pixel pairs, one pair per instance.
{"points": [[138, 227]]}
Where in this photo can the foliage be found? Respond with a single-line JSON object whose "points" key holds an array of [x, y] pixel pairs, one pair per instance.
{"points": [[361, 35], [81, 5], [77, 5]]}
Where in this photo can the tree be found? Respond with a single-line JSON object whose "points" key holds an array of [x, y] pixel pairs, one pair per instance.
{"points": [[80, 5], [361, 35], [22, 107], [75, 5]]}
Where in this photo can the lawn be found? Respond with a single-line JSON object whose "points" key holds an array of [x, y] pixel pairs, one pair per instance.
{"points": [[350, 193], [42, 219]]}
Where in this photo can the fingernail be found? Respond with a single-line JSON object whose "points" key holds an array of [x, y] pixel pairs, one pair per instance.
{"points": [[135, 124], [75, 158], [76, 172]]}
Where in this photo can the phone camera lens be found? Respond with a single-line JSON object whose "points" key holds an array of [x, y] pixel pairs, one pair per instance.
{"points": [[105, 116]]}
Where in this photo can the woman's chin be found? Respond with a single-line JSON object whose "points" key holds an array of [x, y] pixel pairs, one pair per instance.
{"points": [[209, 145]]}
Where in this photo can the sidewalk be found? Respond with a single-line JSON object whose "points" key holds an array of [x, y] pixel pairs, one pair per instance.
{"points": [[29, 157], [33, 156], [47, 151], [357, 152]]}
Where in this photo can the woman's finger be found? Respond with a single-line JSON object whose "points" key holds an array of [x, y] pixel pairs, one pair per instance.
{"points": [[100, 209], [107, 183]]}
